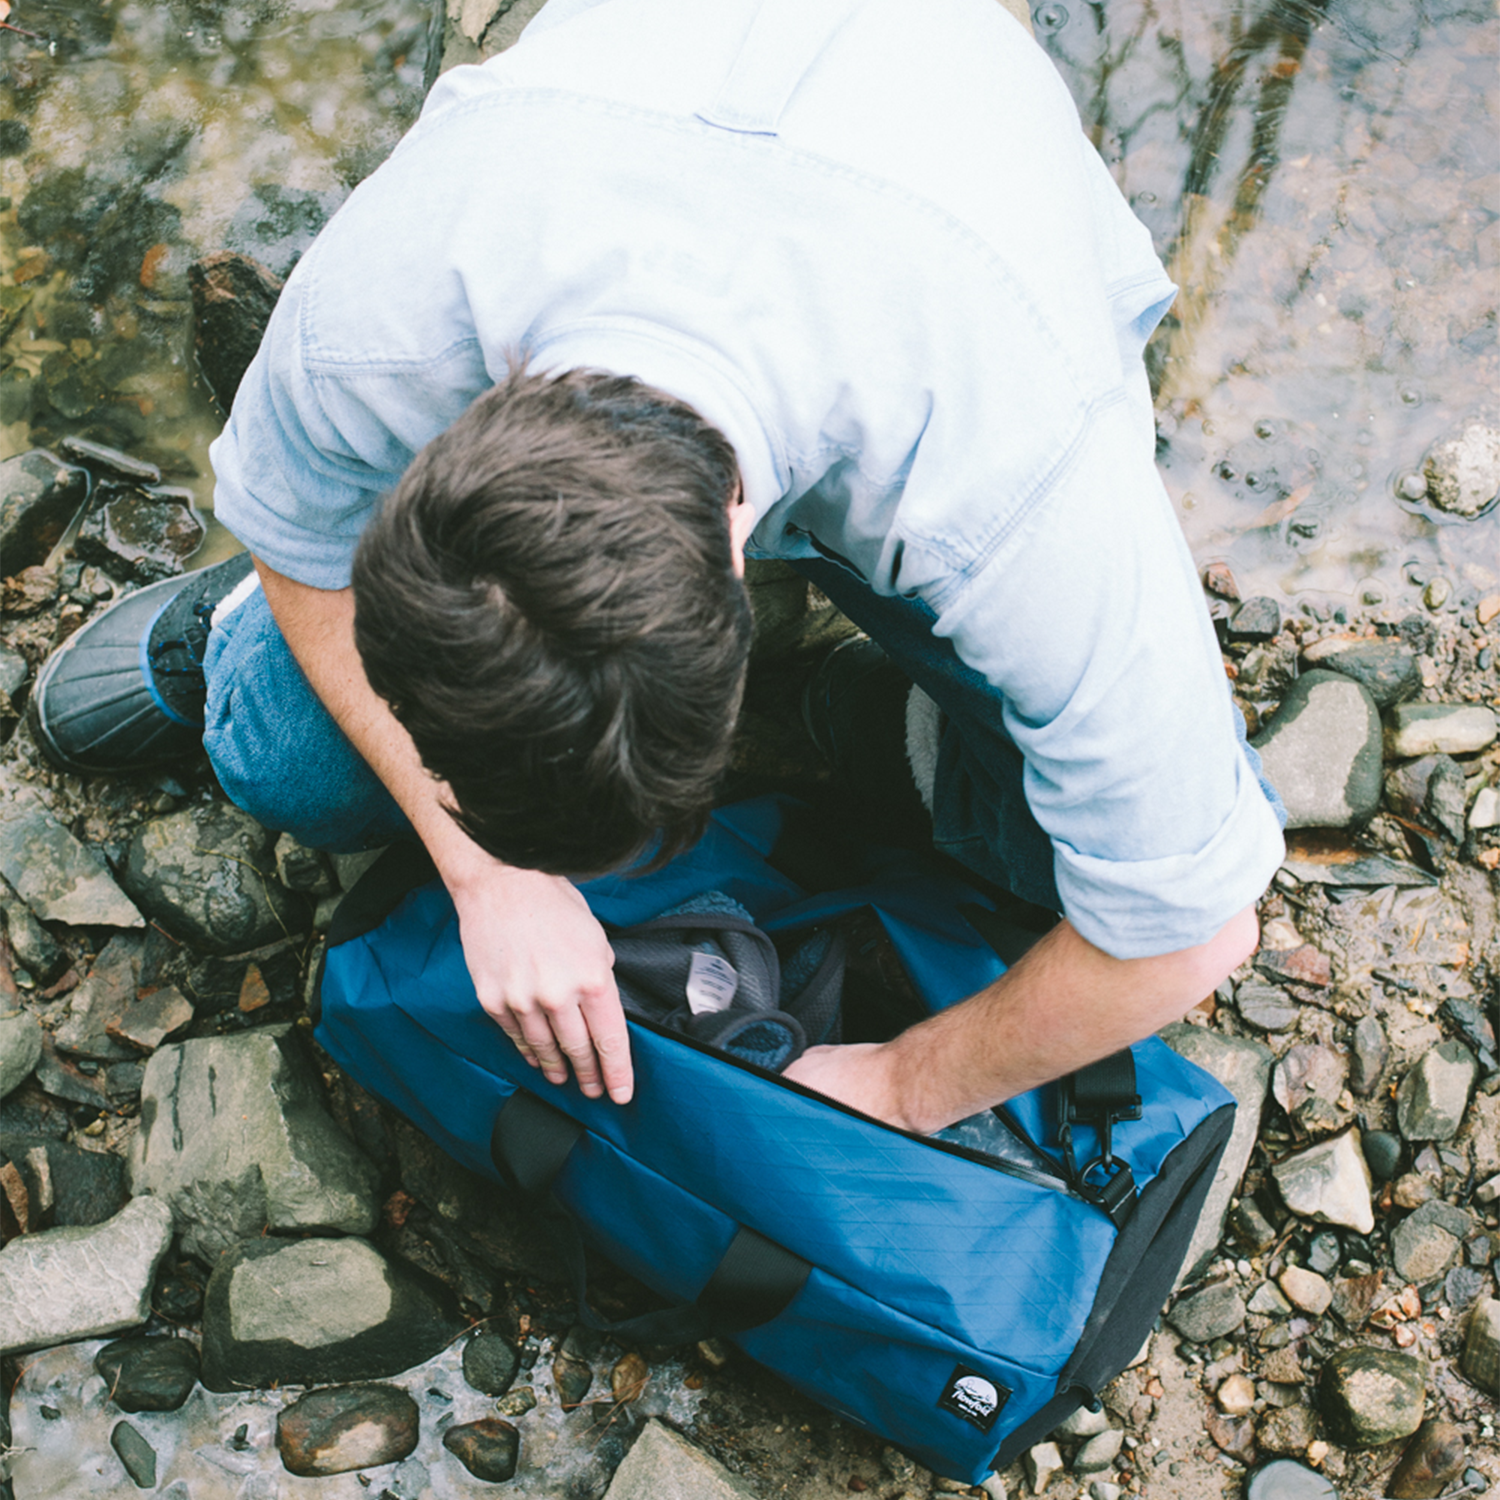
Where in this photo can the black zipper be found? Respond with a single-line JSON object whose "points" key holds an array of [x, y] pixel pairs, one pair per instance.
{"points": [[1051, 1178]]}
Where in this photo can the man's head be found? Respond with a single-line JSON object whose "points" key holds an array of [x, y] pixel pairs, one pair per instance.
{"points": [[550, 603]]}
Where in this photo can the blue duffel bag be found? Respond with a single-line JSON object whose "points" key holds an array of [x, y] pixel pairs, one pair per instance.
{"points": [[960, 1303]]}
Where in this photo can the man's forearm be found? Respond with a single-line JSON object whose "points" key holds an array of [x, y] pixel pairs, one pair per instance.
{"points": [[1064, 1005]]}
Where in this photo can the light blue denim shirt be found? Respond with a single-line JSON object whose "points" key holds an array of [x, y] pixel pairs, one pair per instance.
{"points": [[880, 255]]}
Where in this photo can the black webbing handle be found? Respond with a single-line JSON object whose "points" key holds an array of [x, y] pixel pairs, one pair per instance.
{"points": [[1100, 1095], [754, 1281]]}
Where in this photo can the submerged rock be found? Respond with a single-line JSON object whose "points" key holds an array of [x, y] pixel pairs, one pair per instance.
{"points": [[233, 296], [138, 1456], [1463, 473], [152, 1374], [346, 1427], [235, 1137], [488, 1448], [1322, 752]]}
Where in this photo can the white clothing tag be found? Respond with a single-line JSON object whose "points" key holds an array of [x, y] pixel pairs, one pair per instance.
{"points": [[712, 983]]}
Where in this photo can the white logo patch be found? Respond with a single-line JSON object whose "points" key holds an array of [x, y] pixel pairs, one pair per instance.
{"points": [[712, 984]]}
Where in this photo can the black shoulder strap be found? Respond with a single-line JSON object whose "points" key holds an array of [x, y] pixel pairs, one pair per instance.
{"points": [[755, 1280]]}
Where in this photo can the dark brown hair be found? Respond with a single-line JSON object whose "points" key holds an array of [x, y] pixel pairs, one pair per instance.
{"points": [[548, 603]]}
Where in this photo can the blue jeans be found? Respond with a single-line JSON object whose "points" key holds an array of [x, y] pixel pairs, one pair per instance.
{"points": [[277, 751]]}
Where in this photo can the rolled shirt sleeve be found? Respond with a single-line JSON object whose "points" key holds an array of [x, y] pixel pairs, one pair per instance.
{"points": [[1090, 621]]}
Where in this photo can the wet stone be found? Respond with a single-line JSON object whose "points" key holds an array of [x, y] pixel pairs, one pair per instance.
{"points": [[1284, 1480], [103, 459], [1463, 473], [1265, 1007], [138, 1456], [84, 1187], [44, 957], [151, 1018], [1481, 1356], [1257, 619], [1322, 752], [517, 1402], [208, 875], [490, 1363], [302, 869], [1206, 1314], [1413, 729], [108, 988], [1382, 1154], [488, 1448], [20, 1049], [347, 1427], [1329, 1181], [1371, 1396], [150, 1374], [1430, 789], [297, 1312], [39, 496], [1369, 1052], [1387, 670], [572, 1377], [139, 536], [1431, 1100], [628, 1378]]}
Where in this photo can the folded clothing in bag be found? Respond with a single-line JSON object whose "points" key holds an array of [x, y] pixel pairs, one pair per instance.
{"points": [[959, 1303]]}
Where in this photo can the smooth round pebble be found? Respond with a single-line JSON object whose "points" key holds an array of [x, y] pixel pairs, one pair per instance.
{"points": [[490, 1363], [1382, 1153], [1283, 1479]]}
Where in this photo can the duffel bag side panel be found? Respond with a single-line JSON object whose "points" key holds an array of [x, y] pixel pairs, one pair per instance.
{"points": [[1137, 1279], [946, 1401]]}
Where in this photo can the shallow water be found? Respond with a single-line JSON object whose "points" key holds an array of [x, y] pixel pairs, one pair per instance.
{"points": [[1322, 178], [1323, 183]]}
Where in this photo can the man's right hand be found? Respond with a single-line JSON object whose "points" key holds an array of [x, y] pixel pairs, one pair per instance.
{"points": [[539, 960], [544, 971]]}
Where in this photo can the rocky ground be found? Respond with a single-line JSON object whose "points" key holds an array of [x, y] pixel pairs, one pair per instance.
{"points": [[226, 1265]]}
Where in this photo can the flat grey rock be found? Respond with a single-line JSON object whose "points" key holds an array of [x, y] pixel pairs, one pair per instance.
{"points": [[20, 1049], [1431, 1099], [67, 1284], [306, 1312], [1209, 1313], [1322, 752], [1244, 1068], [52, 872], [663, 1466], [208, 876], [1430, 789], [1265, 1007], [235, 1137], [1330, 1182], [1422, 1251], [101, 999], [1413, 729]]}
